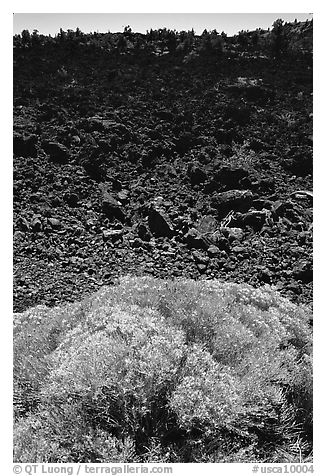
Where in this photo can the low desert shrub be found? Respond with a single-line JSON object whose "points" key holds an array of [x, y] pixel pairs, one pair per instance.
{"points": [[171, 371]]}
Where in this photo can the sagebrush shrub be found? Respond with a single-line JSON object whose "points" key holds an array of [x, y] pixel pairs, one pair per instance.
{"points": [[154, 370]]}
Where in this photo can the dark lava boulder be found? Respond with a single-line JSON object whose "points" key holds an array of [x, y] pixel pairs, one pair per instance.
{"points": [[224, 136], [58, 152], [254, 218], [196, 174], [164, 115], [231, 175], [300, 161], [200, 257], [264, 275], [111, 207], [184, 142], [71, 199], [143, 232], [158, 223], [281, 209], [113, 235], [108, 126], [195, 240], [207, 225], [22, 223], [36, 224], [213, 251], [238, 200], [54, 223], [237, 113], [233, 233], [303, 271], [257, 145]]}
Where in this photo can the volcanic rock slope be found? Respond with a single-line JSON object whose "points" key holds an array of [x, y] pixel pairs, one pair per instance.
{"points": [[153, 165]]}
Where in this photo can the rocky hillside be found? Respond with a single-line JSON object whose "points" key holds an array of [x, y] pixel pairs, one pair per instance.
{"points": [[142, 159]]}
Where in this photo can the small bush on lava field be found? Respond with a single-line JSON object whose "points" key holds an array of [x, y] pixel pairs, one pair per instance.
{"points": [[165, 371]]}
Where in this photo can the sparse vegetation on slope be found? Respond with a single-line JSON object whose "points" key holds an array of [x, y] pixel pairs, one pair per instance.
{"points": [[171, 371]]}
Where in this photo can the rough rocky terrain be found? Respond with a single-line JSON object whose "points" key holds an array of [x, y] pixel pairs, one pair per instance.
{"points": [[150, 164]]}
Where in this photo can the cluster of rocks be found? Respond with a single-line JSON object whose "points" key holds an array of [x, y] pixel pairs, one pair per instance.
{"points": [[133, 180]]}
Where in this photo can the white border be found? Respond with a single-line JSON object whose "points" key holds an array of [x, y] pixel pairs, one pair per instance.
{"points": [[168, 6]]}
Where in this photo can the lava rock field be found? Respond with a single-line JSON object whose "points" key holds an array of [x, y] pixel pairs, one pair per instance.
{"points": [[151, 165]]}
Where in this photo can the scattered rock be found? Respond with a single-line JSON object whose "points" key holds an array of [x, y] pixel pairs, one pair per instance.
{"points": [[201, 267], [58, 152], [19, 236], [303, 271], [107, 125], [196, 174], [143, 232], [207, 225], [117, 185], [257, 145], [254, 219], [302, 194], [55, 223], [238, 249], [159, 223], [184, 142], [300, 161], [279, 208], [195, 240], [304, 237], [294, 288], [91, 271], [55, 201], [200, 257], [23, 223], [224, 136], [244, 158], [123, 195], [112, 235], [213, 251], [230, 175], [229, 266], [72, 199], [36, 224], [264, 275], [239, 200], [233, 233], [223, 244], [261, 203], [136, 243], [112, 208]]}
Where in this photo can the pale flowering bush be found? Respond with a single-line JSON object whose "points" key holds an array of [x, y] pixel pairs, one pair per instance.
{"points": [[170, 371], [129, 354], [53, 438], [37, 332], [206, 392]]}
